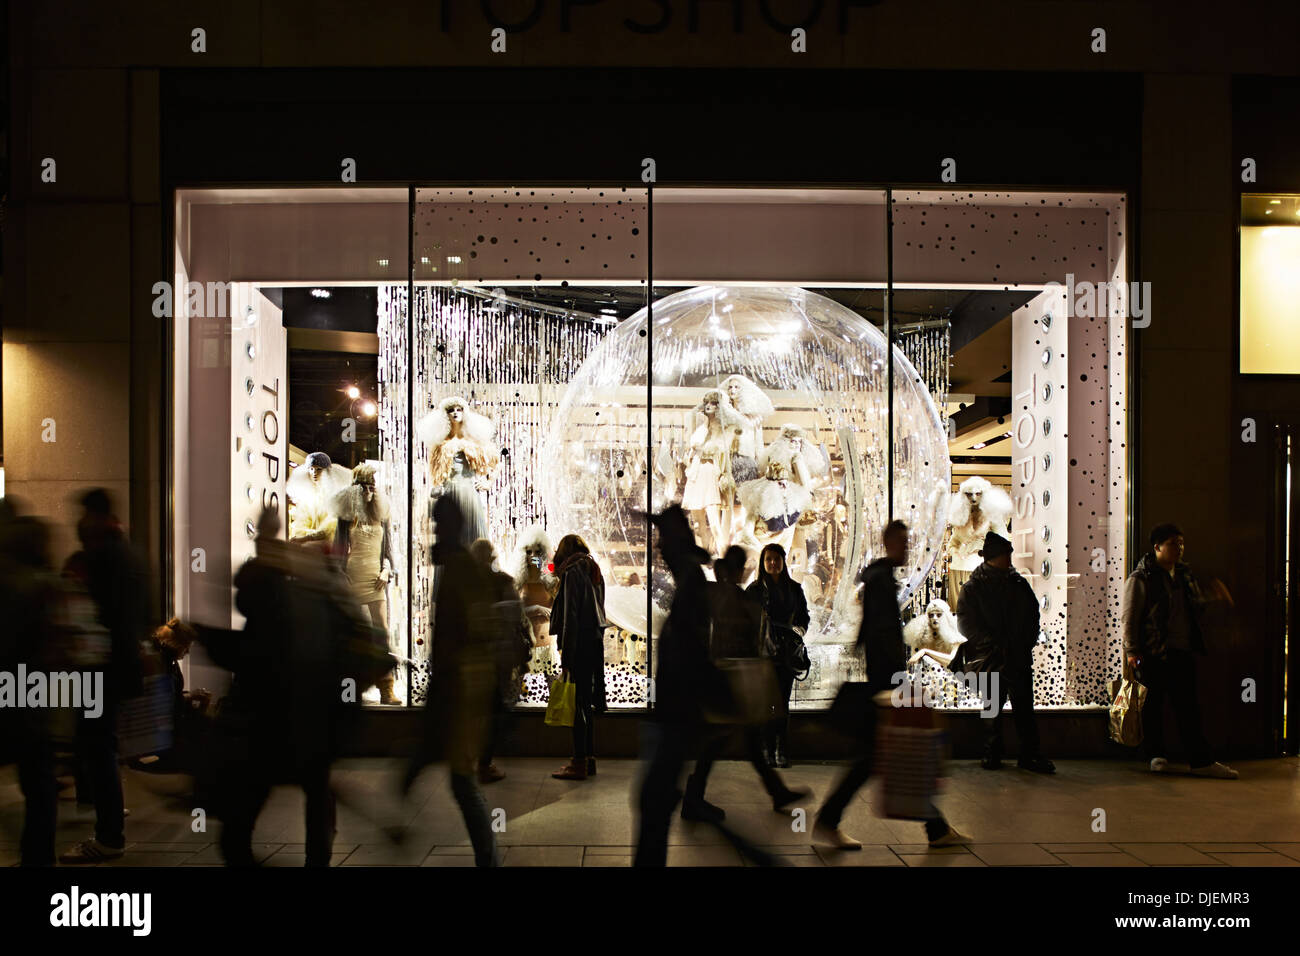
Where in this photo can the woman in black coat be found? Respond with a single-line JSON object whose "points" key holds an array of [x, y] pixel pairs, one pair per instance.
{"points": [[578, 622], [785, 611]]}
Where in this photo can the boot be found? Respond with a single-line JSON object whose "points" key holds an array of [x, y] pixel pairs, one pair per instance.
{"points": [[779, 759], [573, 770], [591, 766], [386, 695]]}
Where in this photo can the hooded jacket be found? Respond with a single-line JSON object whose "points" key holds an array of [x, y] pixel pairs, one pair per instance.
{"points": [[1144, 615], [998, 613]]}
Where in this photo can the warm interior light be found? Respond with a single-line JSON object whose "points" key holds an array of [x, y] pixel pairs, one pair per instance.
{"points": [[368, 409], [1275, 202], [321, 293], [352, 391]]}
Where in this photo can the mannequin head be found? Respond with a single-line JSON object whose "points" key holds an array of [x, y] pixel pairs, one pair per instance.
{"points": [[733, 390], [317, 464]]}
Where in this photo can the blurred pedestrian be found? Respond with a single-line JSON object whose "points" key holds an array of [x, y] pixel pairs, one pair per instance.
{"points": [[880, 644], [578, 623], [786, 619], [997, 612], [735, 622], [296, 680], [684, 681], [117, 580], [513, 636], [29, 596], [462, 677], [1162, 622]]}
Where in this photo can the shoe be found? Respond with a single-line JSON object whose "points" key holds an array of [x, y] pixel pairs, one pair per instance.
{"points": [[953, 837], [991, 763], [91, 851], [781, 801], [702, 811], [767, 755], [1037, 765], [591, 766], [1159, 765], [571, 771], [835, 837], [1216, 770], [490, 774]]}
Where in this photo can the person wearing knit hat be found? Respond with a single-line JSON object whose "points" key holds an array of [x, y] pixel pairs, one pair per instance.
{"points": [[998, 612]]}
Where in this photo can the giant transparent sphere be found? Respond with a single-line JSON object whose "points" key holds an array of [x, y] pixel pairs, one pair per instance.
{"points": [[765, 419]]}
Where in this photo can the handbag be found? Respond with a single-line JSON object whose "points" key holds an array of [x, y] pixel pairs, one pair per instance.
{"points": [[562, 704], [1126, 699], [785, 646], [751, 692], [145, 723], [909, 760]]}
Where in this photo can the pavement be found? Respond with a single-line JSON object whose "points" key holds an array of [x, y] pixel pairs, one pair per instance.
{"points": [[1090, 813]]}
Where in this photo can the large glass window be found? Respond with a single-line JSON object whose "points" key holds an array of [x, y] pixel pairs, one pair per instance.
{"points": [[1270, 285], [798, 367]]}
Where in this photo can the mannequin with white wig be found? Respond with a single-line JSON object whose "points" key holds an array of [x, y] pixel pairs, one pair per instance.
{"points": [[978, 508], [710, 489], [933, 634], [461, 460]]}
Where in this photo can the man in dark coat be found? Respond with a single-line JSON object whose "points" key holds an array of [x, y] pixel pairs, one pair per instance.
{"points": [[998, 614], [118, 582], [880, 642], [462, 676], [735, 624], [283, 717], [1162, 630], [684, 680]]}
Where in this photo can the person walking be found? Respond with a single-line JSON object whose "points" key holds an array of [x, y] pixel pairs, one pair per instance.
{"points": [[880, 643], [462, 677], [998, 613], [1162, 625], [785, 611], [117, 580], [514, 639], [578, 623], [736, 622]]}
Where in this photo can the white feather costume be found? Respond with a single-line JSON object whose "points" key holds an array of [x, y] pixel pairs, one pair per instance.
{"points": [[461, 466], [978, 508], [752, 403], [536, 585], [933, 634], [311, 512], [802, 460], [778, 501]]}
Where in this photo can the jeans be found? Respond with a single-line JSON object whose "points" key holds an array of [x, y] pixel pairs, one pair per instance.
{"points": [[1173, 678], [832, 811], [477, 819], [709, 750], [1018, 685], [584, 721], [245, 800], [778, 727], [97, 755], [665, 747], [40, 795]]}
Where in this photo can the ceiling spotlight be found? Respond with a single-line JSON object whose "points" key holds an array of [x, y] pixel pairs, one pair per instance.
{"points": [[352, 391], [978, 445], [321, 293], [1275, 202], [383, 263], [368, 408], [1268, 212], [454, 259], [609, 311]]}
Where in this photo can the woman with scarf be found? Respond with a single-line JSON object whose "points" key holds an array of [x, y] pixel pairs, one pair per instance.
{"points": [[578, 623], [785, 619]]}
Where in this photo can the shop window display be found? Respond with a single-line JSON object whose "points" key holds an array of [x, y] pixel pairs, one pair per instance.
{"points": [[525, 372]]}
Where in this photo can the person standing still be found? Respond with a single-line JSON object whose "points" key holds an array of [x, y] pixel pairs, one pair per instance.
{"points": [[997, 611], [880, 642], [786, 610], [1161, 623]]}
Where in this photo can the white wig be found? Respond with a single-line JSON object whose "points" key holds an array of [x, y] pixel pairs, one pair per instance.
{"points": [[765, 498], [753, 401], [434, 427], [534, 540], [919, 635], [782, 450], [303, 490], [995, 504], [350, 505], [728, 417]]}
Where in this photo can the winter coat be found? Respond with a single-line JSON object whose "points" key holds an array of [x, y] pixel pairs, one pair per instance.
{"points": [[118, 582], [880, 635], [578, 622], [786, 611], [1144, 614], [736, 621], [998, 613], [685, 678]]}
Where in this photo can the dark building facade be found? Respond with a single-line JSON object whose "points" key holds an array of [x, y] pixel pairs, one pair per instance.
{"points": [[1185, 118]]}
